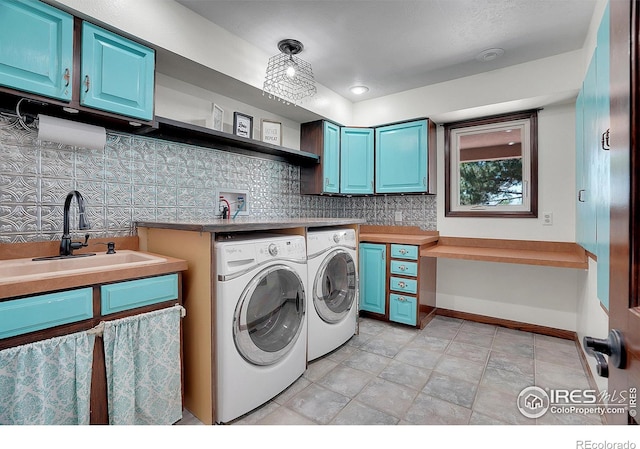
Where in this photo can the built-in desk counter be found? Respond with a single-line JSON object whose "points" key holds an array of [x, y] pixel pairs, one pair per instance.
{"points": [[528, 252]]}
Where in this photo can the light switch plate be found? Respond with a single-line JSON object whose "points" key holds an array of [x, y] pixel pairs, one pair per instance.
{"points": [[398, 216], [547, 218]]}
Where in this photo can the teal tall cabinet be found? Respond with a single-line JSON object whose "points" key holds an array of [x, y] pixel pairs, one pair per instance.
{"points": [[373, 280], [603, 201], [592, 160], [402, 158], [356, 161], [117, 74], [36, 48]]}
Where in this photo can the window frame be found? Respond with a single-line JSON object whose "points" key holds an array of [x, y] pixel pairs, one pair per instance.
{"points": [[451, 155]]}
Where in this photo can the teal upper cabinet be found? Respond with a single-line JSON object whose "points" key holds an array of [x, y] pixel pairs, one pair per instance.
{"points": [[331, 166], [590, 145], [117, 74], [36, 48], [373, 277], [401, 158], [323, 139], [356, 161]]}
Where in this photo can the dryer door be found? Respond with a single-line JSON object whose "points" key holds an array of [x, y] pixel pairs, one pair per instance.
{"points": [[334, 288], [269, 315]]}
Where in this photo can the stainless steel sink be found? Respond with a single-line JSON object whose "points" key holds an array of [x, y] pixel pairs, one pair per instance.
{"points": [[27, 269]]}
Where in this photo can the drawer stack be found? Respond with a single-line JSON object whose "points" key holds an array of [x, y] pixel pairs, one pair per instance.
{"points": [[403, 284]]}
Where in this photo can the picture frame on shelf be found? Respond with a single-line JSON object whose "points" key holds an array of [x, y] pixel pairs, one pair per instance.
{"points": [[218, 118], [271, 132], [242, 125]]}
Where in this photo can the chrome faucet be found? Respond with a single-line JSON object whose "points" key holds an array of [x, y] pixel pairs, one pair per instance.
{"points": [[66, 245]]}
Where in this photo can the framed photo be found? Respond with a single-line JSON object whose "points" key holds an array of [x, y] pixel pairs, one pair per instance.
{"points": [[271, 132], [218, 117], [242, 125]]}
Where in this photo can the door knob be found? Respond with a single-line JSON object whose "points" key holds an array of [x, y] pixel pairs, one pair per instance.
{"points": [[613, 346]]}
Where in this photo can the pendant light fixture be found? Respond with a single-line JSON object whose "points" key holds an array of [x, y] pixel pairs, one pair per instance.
{"points": [[289, 79]]}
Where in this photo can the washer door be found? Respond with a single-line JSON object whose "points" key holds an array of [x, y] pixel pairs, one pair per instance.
{"points": [[269, 315], [334, 288]]}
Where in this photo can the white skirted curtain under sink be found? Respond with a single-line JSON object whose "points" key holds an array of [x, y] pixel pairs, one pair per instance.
{"points": [[142, 358], [47, 382]]}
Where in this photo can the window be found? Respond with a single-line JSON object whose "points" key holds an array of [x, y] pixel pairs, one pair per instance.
{"points": [[491, 166]]}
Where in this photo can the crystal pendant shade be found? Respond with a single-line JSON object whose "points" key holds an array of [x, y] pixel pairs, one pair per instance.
{"points": [[289, 78]]}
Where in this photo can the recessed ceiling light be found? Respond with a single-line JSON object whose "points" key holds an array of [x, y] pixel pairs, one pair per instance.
{"points": [[358, 90], [489, 54]]}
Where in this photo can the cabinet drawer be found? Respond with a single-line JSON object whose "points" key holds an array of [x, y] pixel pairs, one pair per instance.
{"points": [[25, 315], [404, 285], [405, 268], [404, 251], [138, 293], [403, 309]]}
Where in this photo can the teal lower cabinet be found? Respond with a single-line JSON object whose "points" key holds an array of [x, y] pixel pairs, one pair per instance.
{"points": [[137, 293], [373, 271], [56, 326], [403, 309], [396, 284], [35, 313]]}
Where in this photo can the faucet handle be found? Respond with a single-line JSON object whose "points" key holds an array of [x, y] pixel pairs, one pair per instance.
{"points": [[78, 245]]}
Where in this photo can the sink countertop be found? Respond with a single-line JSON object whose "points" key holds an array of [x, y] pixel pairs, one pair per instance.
{"points": [[15, 288], [243, 225]]}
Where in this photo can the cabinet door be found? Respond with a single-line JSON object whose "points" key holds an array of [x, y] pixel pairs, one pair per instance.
{"points": [[403, 309], [36, 48], [117, 74], [356, 160], [331, 156], [401, 156], [601, 187], [590, 147], [373, 262], [581, 205]]}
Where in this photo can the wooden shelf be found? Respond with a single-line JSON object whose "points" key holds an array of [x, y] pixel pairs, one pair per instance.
{"points": [[528, 252], [160, 128], [175, 131]]}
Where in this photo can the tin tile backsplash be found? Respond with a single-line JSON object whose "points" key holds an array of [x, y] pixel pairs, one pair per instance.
{"points": [[139, 178]]}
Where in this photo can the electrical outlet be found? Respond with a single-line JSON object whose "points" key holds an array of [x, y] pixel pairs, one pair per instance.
{"points": [[398, 216], [547, 218], [238, 201]]}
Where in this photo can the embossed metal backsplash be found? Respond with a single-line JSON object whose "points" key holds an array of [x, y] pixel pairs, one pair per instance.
{"points": [[138, 178]]}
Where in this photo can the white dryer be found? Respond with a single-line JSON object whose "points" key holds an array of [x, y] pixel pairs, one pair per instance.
{"points": [[261, 321], [333, 279]]}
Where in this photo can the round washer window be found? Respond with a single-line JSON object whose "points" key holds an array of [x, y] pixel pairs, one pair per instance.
{"points": [[334, 288], [269, 315]]}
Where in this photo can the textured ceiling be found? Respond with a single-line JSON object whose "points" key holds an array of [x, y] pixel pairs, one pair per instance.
{"points": [[395, 45]]}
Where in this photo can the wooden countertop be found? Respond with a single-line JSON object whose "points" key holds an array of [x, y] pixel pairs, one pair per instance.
{"points": [[528, 252], [247, 225], [405, 235], [405, 239]]}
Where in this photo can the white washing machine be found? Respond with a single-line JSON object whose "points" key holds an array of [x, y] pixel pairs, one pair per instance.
{"points": [[333, 279], [261, 331]]}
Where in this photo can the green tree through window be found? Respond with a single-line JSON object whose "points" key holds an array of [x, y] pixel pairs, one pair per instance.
{"points": [[491, 183]]}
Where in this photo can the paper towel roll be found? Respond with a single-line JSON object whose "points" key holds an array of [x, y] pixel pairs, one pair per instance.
{"points": [[66, 132]]}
